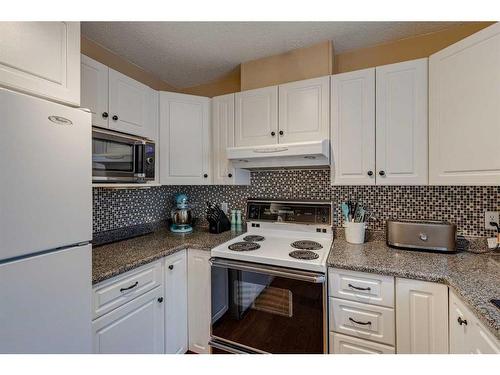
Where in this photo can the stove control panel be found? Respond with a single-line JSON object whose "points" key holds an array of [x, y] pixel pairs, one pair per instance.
{"points": [[318, 213]]}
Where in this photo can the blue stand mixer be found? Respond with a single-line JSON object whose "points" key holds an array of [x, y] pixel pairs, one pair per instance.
{"points": [[182, 219]]}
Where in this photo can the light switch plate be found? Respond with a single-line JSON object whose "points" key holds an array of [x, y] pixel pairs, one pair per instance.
{"points": [[224, 207], [490, 216]]}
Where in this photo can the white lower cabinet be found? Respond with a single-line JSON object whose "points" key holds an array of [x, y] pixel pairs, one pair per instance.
{"points": [[342, 344], [176, 304], [136, 327], [361, 312], [369, 322], [199, 300], [467, 334], [421, 317]]}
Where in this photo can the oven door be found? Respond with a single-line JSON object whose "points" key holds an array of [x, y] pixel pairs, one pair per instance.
{"points": [[265, 309], [115, 156]]}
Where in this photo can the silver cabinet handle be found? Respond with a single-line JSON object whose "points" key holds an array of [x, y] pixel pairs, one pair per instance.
{"points": [[311, 277]]}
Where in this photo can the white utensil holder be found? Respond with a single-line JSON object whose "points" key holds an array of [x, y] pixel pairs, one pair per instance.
{"points": [[355, 232]]}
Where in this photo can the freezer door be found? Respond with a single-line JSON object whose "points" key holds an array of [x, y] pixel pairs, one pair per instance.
{"points": [[45, 166], [46, 303]]}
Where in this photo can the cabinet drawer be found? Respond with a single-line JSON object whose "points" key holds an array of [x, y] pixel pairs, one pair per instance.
{"points": [[342, 344], [361, 287], [360, 320], [114, 292]]}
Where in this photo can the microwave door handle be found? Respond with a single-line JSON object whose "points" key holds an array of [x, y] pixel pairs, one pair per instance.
{"points": [[311, 277], [139, 150]]}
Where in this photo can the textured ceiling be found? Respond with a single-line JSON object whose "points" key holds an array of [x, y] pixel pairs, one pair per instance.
{"points": [[186, 54]]}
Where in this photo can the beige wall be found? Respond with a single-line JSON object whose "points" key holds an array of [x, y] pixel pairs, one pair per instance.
{"points": [[295, 65], [227, 84], [303, 63], [404, 49]]}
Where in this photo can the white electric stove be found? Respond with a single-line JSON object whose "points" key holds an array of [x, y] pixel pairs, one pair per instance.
{"points": [[270, 282], [282, 233]]}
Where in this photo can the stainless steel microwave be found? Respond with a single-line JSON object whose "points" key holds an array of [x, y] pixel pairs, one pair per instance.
{"points": [[118, 157]]}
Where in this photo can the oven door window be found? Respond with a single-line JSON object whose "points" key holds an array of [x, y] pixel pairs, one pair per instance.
{"points": [[267, 313], [111, 156]]}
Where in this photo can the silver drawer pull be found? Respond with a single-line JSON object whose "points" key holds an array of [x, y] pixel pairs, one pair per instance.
{"points": [[358, 288], [130, 287], [362, 323]]}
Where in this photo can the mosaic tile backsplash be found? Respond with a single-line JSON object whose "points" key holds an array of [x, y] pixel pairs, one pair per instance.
{"points": [[462, 205]]}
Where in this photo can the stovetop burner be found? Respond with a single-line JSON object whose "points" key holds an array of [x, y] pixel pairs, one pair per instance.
{"points": [[244, 246], [304, 254], [253, 238], [306, 245]]}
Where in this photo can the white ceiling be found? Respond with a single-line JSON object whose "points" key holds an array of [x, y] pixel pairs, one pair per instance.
{"points": [[186, 54]]}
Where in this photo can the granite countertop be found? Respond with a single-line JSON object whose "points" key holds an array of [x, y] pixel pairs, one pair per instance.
{"points": [[474, 277], [118, 257]]}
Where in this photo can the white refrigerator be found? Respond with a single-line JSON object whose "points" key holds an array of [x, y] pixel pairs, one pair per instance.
{"points": [[45, 226]]}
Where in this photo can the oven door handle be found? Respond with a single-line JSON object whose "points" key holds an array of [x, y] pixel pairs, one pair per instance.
{"points": [[232, 349], [308, 276]]}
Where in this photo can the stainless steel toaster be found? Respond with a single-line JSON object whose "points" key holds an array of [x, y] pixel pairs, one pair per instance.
{"points": [[421, 235]]}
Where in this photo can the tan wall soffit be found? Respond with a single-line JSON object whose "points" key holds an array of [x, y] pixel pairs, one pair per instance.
{"points": [[404, 49], [295, 65]]}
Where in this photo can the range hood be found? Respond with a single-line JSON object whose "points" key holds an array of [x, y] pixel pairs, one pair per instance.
{"points": [[300, 154]]}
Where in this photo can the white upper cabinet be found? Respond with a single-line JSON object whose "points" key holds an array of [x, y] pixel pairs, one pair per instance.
{"points": [[379, 125], [94, 94], [464, 111], [41, 59], [421, 317], [353, 128], [184, 139], [118, 102], [222, 138], [256, 121], [467, 334], [401, 123], [128, 104], [304, 110]]}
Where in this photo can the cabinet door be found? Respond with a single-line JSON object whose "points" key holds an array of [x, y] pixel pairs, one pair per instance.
{"points": [[222, 138], [42, 59], [128, 104], [256, 117], [136, 327], [353, 128], [401, 123], [304, 110], [176, 308], [199, 300], [94, 93], [184, 139], [464, 116], [421, 317], [467, 334], [342, 344]]}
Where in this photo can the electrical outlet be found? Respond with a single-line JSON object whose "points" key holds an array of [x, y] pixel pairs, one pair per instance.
{"points": [[490, 216], [224, 207]]}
